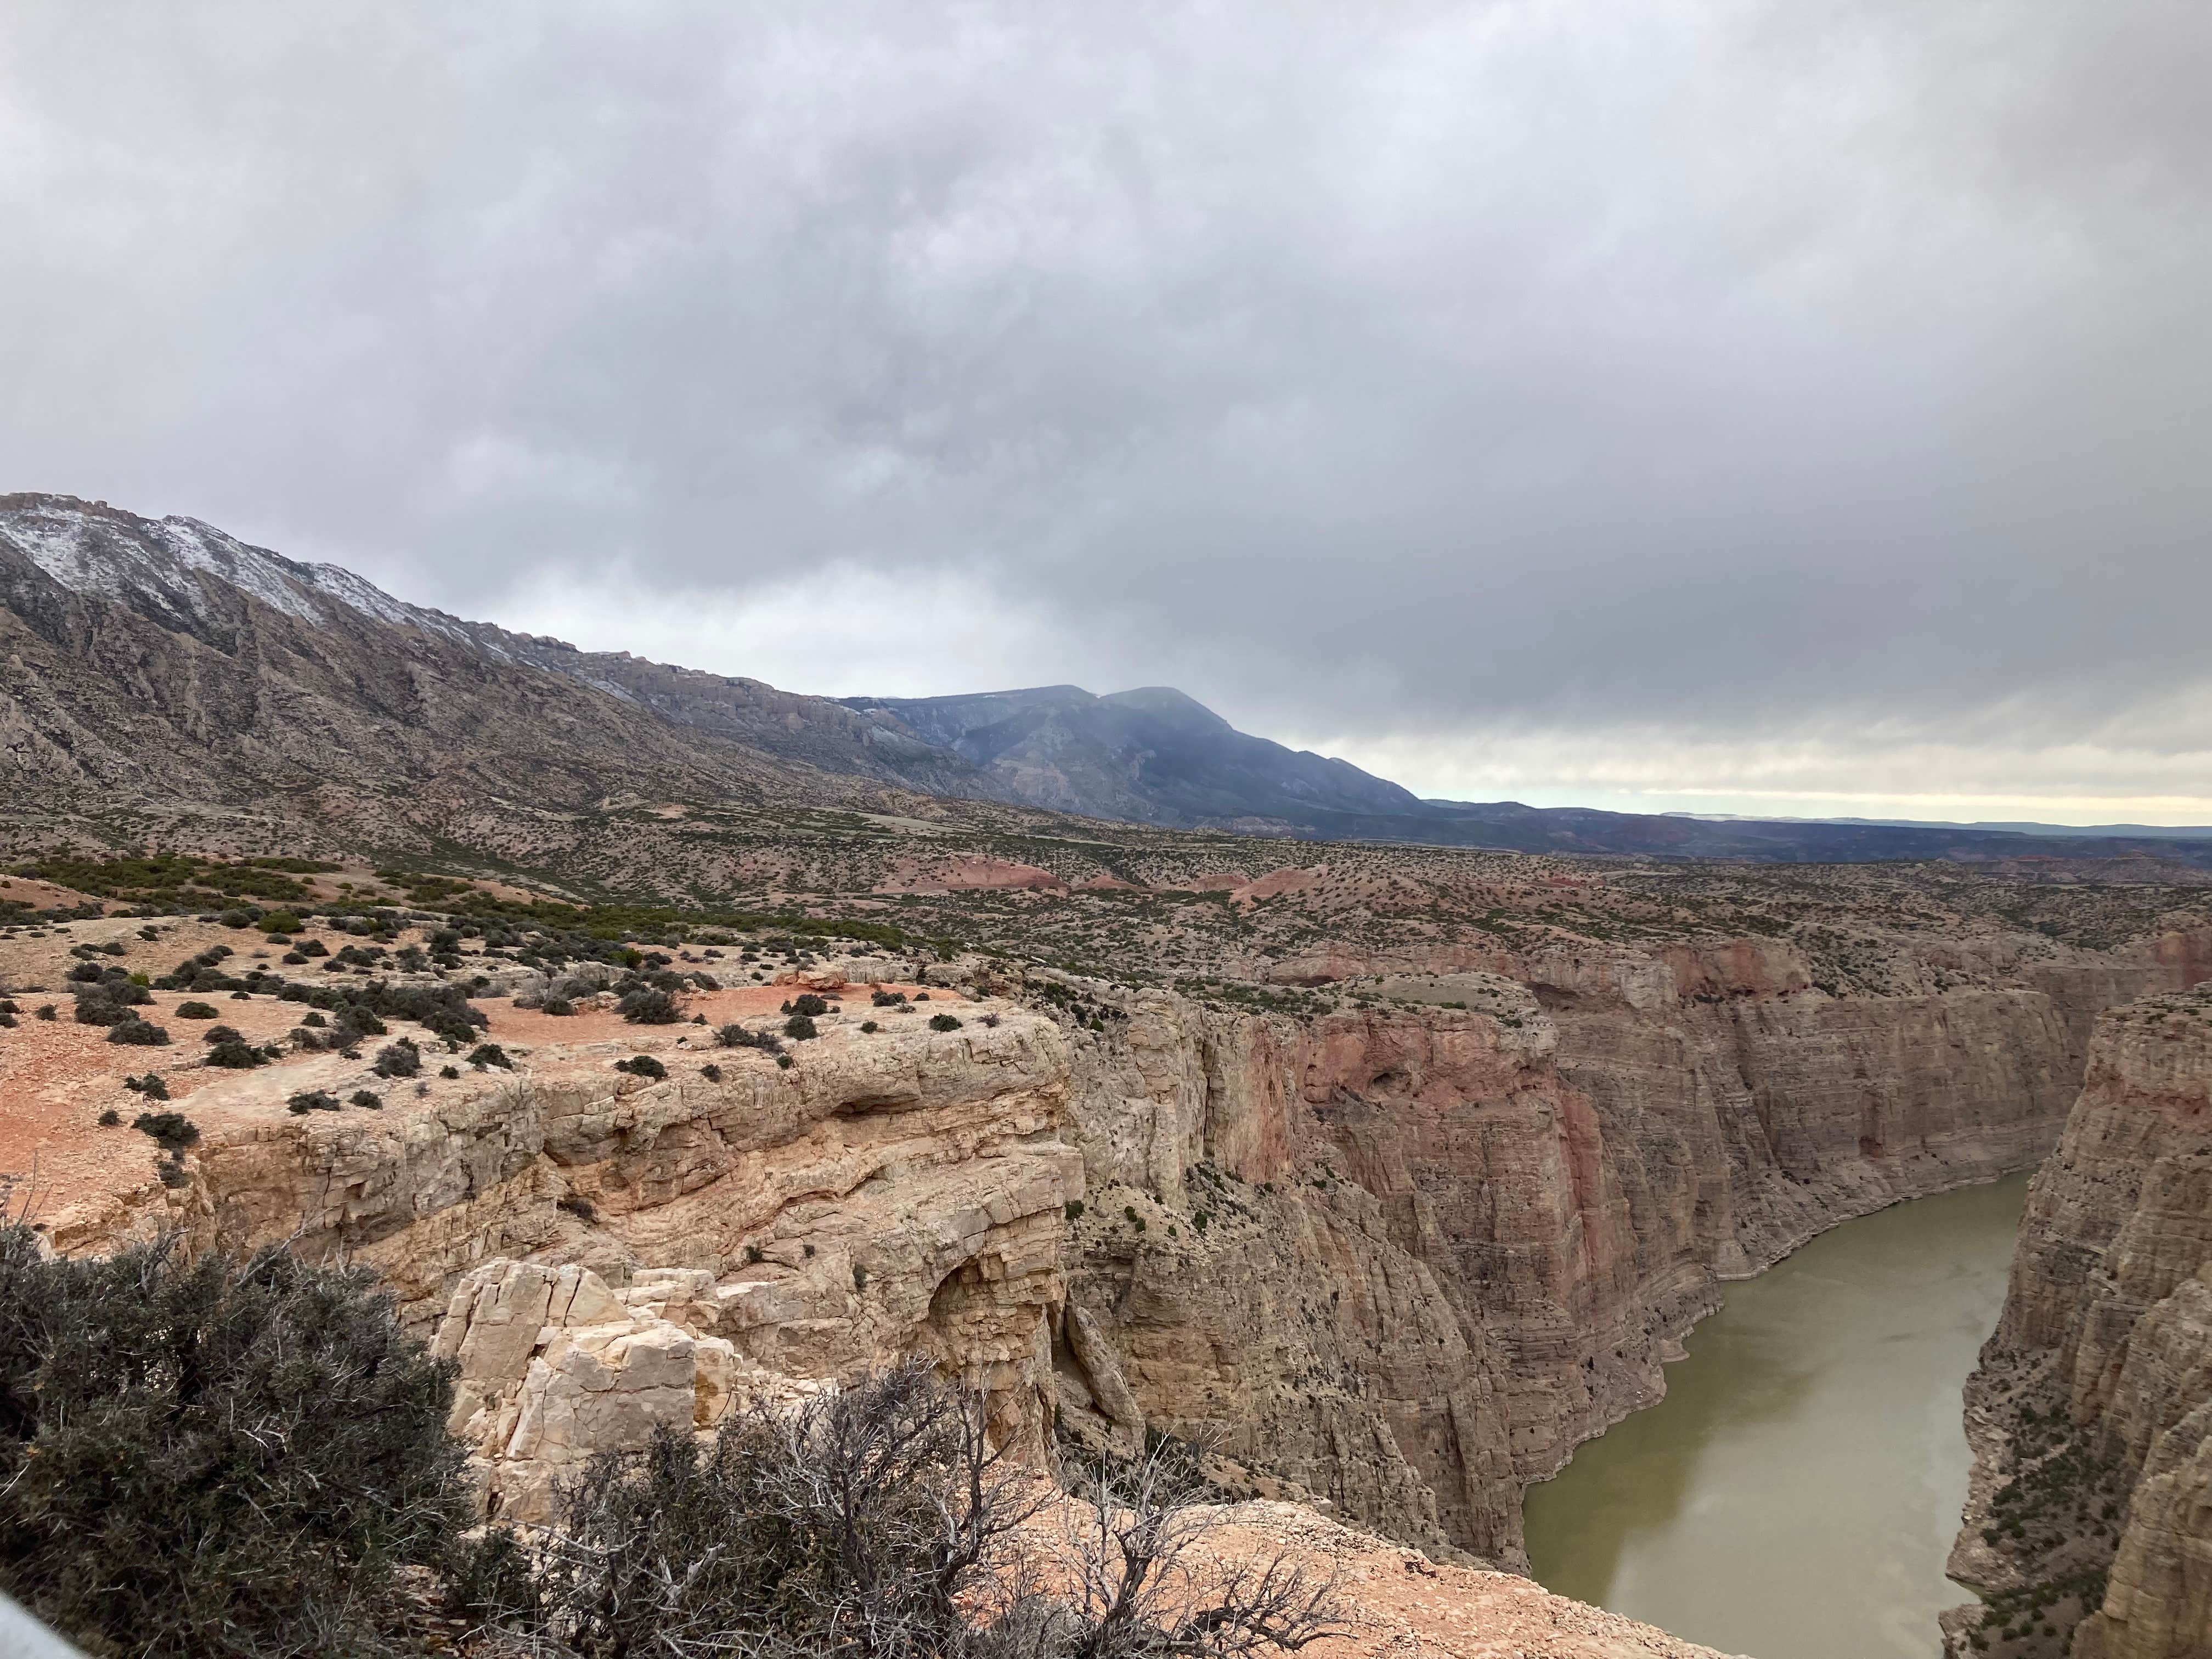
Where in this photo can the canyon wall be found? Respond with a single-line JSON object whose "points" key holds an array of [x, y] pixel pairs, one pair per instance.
{"points": [[1398, 1259], [2092, 1410], [1505, 1218]]}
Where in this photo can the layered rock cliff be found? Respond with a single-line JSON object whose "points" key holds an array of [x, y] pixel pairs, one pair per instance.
{"points": [[1505, 1216], [1400, 1257], [2092, 1410]]}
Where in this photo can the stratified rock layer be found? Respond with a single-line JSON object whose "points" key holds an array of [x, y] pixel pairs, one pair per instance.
{"points": [[2096, 1389], [1502, 1217], [1399, 1257]]}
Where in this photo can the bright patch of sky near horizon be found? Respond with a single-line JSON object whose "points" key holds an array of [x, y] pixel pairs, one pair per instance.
{"points": [[1736, 406]]}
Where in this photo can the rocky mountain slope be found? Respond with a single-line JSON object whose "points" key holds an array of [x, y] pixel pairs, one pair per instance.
{"points": [[2092, 1410], [157, 674], [1151, 756], [151, 668]]}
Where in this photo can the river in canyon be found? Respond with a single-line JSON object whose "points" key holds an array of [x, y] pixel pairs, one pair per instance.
{"points": [[1795, 1493]]}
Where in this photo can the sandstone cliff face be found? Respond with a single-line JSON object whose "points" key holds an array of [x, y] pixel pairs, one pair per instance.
{"points": [[1402, 1257], [1487, 1229], [2097, 1383], [900, 1195]]}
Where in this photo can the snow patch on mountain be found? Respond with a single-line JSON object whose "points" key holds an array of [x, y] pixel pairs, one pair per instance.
{"points": [[102, 552], [373, 601], [251, 570]]}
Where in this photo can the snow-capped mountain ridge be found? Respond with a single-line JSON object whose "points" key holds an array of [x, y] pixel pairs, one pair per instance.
{"points": [[144, 649], [105, 552]]}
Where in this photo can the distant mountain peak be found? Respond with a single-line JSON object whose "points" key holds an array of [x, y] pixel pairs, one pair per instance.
{"points": [[1151, 755], [1168, 703]]}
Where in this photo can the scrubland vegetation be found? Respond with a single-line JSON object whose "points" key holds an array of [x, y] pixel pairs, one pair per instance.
{"points": [[201, 1456]]}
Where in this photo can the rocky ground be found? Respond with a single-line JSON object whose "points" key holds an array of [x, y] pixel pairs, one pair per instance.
{"points": [[1399, 1603], [58, 1077]]}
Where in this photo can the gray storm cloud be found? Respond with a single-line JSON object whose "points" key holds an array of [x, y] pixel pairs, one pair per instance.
{"points": [[1738, 399]]}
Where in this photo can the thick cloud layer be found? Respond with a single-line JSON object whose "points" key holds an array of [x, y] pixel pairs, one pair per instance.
{"points": [[1746, 406]]}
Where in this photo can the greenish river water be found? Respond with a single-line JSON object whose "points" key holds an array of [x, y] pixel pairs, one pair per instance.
{"points": [[1795, 1493]]}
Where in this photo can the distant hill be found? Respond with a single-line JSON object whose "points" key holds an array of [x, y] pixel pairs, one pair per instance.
{"points": [[2064, 831], [1156, 756], [149, 667], [1573, 829], [1151, 756]]}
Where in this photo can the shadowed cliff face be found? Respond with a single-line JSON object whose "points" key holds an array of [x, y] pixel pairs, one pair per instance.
{"points": [[2092, 1411]]}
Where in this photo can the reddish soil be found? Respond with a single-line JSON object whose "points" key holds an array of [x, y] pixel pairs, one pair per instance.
{"points": [[42, 895], [56, 1076], [960, 873]]}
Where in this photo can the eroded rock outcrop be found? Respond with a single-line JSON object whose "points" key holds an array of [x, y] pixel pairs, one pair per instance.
{"points": [[2092, 1410], [556, 1366], [900, 1193], [1402, 1257]]}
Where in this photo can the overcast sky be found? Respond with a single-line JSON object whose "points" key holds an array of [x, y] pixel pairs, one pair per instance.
{"points": [[1782, 406]]}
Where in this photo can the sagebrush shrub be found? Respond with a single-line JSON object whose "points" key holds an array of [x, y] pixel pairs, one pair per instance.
{"points": [[737, 1036], [170, 1131], [400, 1059], [94, 1006], [880, 1521], [214, 1457], [648, 1006]]}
